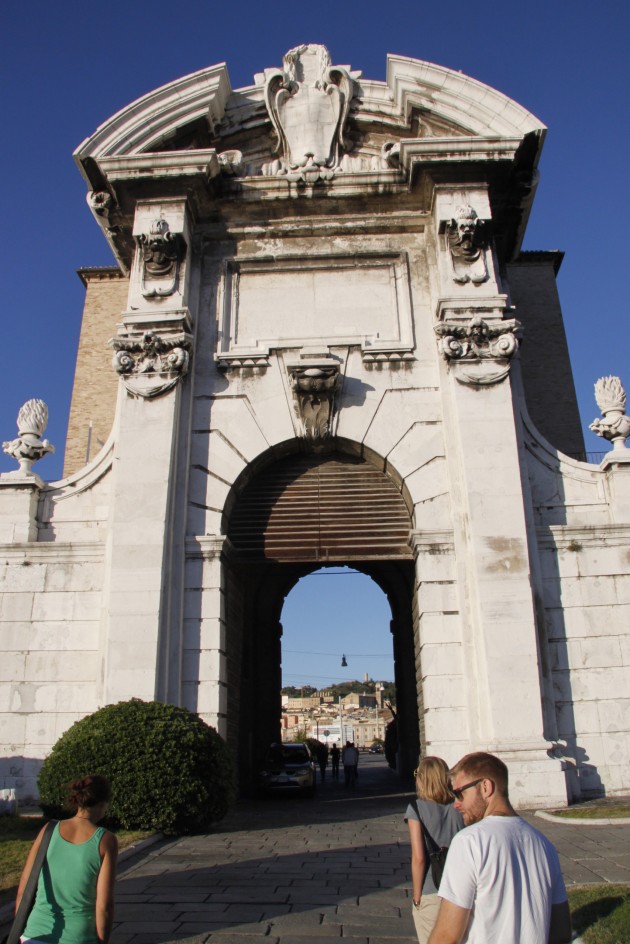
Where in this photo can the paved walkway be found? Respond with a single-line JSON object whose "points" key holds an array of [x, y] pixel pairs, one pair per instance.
{"points": [[297, 871]]}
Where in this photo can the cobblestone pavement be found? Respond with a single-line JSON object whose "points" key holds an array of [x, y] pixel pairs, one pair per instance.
{"points": [[297, 871]]}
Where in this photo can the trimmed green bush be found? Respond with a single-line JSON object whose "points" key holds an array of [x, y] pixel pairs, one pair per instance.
{"points": [[169, 770]]}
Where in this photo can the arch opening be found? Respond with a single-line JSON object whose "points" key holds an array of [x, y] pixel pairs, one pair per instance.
{"points": [[295, 515]]}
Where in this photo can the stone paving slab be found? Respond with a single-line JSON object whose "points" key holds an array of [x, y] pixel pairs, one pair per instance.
{"points": [[310, 872]]}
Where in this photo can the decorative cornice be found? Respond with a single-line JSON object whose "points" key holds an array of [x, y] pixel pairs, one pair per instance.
{"points": [[431, 542], [457, 98], [241, 361], [573, 538], [208, 547], [150, 120], [417, 151], [376, 358]]}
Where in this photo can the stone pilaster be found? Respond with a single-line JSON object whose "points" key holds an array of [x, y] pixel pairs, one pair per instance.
{"points": [[204, 662], [498, 652], [144, 596]]}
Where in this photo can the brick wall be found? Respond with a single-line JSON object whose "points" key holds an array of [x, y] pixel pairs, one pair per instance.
{"points": [[95, 382]]}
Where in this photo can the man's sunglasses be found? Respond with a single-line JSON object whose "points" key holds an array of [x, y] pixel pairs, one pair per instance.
{"points": [[459, 793]]}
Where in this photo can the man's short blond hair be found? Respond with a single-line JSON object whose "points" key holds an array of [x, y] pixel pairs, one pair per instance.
{"points": [[482, 766]]}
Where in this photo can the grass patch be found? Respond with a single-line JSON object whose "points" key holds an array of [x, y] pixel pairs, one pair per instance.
{"points": [[601, 913], [594, 812], [16, 836]]}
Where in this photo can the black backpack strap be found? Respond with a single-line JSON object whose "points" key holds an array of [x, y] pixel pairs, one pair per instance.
{"points": [[28, 897], [432, 845]]}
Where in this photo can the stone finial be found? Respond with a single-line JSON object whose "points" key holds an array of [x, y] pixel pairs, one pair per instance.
{"points": [[308, 102], [29, 447], [314, 388], [161, 252], [611, 399], [466, 244], [150, 364]]}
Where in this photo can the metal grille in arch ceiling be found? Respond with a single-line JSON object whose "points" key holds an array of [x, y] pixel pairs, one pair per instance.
{"points": [[310, 508]]}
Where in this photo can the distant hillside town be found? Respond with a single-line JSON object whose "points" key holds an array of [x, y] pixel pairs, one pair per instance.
{"points": [[352, 711]]}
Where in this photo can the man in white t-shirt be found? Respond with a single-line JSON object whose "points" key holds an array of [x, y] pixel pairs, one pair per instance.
{"points": [[502, 882]]}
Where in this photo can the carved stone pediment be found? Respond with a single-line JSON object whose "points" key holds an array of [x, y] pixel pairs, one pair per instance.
{"points": [[308, 102], [314, 386], [482, 350], [150, 364]]}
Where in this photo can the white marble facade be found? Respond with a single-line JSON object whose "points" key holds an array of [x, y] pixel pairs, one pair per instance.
{"points": [[324, 263]]}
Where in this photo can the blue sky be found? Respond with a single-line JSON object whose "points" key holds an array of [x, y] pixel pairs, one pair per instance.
{"points": [[67, 67]]}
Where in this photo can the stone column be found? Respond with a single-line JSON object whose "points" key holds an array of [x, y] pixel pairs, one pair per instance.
{"points": [[143, 599]]}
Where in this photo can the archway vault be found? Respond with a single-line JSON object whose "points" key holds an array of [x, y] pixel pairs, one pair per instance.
{"points": [[321, 507]]}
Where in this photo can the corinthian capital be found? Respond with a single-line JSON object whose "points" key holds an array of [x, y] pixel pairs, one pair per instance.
{"points": [[485, 349], [150, 364]]}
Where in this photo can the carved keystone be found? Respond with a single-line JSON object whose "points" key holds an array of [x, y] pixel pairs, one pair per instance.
{"points": [[314, 388]]}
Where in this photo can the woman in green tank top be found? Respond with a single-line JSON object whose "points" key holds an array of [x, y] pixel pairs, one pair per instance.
{"points": [[75, 892]]}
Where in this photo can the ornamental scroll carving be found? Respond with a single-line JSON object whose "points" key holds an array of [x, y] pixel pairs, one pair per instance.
{"points": [[467, 246], [314, 389], [611, 399], [150, 365], [484, 350], [29, 447], [308, 102], [161, 252]]}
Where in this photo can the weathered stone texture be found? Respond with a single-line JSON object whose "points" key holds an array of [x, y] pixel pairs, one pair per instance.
{"points": [[95, 383]]}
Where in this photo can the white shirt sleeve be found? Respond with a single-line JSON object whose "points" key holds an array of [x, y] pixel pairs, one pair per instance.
{"points": [[459, 883]]}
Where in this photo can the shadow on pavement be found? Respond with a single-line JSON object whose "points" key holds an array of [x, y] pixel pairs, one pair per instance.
{"points": [[267, 895]]}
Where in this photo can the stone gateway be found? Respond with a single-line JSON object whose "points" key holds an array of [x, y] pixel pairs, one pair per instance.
{"points": [[322, 344]]}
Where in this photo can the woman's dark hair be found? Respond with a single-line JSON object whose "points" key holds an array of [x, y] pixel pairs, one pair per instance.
{"points": [[88, 792]]}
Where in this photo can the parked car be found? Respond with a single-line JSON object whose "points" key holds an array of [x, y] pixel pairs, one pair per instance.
{"points": [[288, 767], [376, 749]]}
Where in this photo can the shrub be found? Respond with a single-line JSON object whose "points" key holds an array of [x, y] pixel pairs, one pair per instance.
{"points": [[168, 769]]}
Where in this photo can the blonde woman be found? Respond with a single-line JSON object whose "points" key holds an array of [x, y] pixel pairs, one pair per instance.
{"points": [[432, 821]]}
